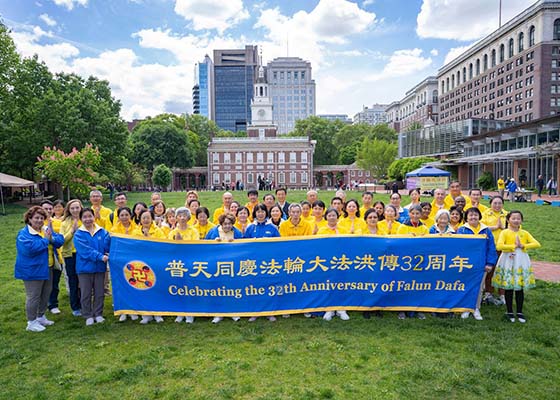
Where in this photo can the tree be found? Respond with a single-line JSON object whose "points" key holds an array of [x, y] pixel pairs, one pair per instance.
{"points": [[162, 176], [399, 168], [155, 142], [323, 131], [414, 126], [75, 171], [203, 130], [375, 156]]}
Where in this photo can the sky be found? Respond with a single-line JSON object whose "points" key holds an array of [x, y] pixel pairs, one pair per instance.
{"points": [[362, 52]]}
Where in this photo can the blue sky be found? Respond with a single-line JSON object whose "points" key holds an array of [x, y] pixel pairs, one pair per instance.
{"points": [[362, 52]]}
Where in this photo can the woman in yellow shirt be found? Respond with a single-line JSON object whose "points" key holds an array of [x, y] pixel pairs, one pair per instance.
{"points": [[413, 226], [372, 223], [203, 225], [68, 227], [242, 219], [389, 225], [318, 214], [169, 221], [306, 211], [332, 228], [352, 222], [514, 272], [183, 231], [456, 218]]}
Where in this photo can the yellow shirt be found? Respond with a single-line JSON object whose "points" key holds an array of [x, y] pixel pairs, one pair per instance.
{"points": [[506, 241], [251, 207], [56, 224], [481, 207], [240, 227], [155, 232], [501, 184], [380, 231], [66, 230], [287, 228], [119, 228], [327, 230], [104, 221], [490, 219], [429, 222], [188, 234], [419, 230], [353, 226], [319, 225], [363, 210], [436, 208], [219, 211], [203, 230], [382, 225]]}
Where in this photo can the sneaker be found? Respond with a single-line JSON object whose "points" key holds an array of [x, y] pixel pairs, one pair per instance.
{"points": [[217, 320], [235, 318], [89, 322], [77, 313], [465, 315], [179, 319], [510, 317], [401, 315], [421, 315], [521, 318], [488, 298], [122, 318], [500, 301], [252, 319], [286, 316], [158, 319], [328, 315], [272, 318], [343, 315], [44, 321], [34, 326], [133, 317], [146, 319], [189, 320], [55, 310], [99, 319], [476, 315], [307, 315]]}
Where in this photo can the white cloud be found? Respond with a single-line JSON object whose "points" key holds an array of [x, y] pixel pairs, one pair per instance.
{"points": [[455, 52], [47, 20], [464, 19], [403, 63], [69, 4], [212, 14], [434, 52], [368, 2]]}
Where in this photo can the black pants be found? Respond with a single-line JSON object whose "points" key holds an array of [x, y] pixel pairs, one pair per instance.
{"points": [[519, 298]]}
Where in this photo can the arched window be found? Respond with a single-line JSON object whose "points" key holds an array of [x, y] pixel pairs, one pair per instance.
{"points": [[470, 70], [464, 74], [502, 53], [442, 86], [520, 39], [447, 84], [453, 81], [485, 62], [458, 78], [531, 36], [434, 96], [478, 66], [493, 58], [556, 31], [510, 48]]}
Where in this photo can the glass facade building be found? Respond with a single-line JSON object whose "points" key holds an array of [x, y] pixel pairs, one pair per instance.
{"points": [[234, 76], [203, 89]]}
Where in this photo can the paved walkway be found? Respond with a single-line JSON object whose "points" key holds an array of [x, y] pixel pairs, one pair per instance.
{"points": [[547, 271]]}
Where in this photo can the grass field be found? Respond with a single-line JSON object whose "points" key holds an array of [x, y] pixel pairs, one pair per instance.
{"points": [[294, 358]]}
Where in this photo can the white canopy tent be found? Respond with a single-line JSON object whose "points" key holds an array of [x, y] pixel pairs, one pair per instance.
{"points": [[11, 181]]}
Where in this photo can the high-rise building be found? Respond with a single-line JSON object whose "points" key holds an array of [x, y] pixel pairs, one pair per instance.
{"points": [[419, 106], [292, 90], [512, 74], [203, 89], [371, 115], [333, 117], [234, 76]]}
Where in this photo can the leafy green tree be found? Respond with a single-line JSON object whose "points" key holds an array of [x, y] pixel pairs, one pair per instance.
{"points": [[323, 131], [75, 170], [414, 126], [155, 142], [162, 176], [376, 155], [399, 168]]}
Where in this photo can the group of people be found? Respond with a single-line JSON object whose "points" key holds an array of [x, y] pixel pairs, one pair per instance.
{"points": [[75, 239]]}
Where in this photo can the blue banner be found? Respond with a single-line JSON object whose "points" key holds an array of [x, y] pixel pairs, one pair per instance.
{"points": [[286, 276]]}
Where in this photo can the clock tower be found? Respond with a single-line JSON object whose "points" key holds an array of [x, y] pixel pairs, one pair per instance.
{"points": [[262, 124]]}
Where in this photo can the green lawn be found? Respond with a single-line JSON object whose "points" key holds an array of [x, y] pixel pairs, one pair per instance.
{"points": [[294, 358]]}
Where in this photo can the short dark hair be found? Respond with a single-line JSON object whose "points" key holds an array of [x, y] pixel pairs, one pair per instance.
{"points": [[281, 189], [260, 207], [32, 211], [253, 191], [120, 194], [202, 210]]}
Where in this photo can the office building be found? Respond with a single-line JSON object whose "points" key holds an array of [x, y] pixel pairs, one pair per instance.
{"points": [[333, 117], [292, 90], [234, 76], [203, 89], [371, 115], [512, 74]]}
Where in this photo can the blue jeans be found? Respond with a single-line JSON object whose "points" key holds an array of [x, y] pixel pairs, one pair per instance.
{"points": [[53, 298], [73, 283]]}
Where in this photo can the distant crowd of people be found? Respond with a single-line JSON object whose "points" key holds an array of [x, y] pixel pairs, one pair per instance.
{"points": [[68, 239]]}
